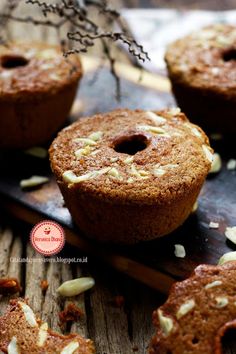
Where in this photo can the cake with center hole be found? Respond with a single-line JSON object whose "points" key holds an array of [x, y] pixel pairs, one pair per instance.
{"points": [[130, 176], [37, 89], [202, 69]]}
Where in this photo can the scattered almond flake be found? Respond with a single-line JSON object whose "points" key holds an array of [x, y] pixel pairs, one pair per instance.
{"points": [[139, 173], [114, 159], [114, 173], [216, 163], [213, 225], [166, 323], [42, 335], [48, 53], [207, 153], [159, 171], [221, 302], [155, 117], [180, 251], [46, 66], [83, 151], [70, 348], [152, 129], [227, 257], [185, 308], [77, 107], [29, 315], [215, 71], [37, 151], [12, 347], [213, 284], [95, 152], [130, 180], [33, 181], [6, 74], [96, 136], [54, 76], [216, 136], [174, 111], [196, 132], [86, 141], [70, 177], [195, 207], [230, 233], [128, 160], [231, 164], [76, 286]]}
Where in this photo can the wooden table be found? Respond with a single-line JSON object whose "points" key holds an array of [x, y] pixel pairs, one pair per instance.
{"points": [[115, 330]]}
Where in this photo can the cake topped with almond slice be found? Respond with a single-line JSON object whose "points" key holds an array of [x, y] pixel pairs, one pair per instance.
{"points": [[21, 332], [139, 160], [198, 312]]}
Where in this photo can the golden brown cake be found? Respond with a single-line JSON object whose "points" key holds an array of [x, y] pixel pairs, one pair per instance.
{"points": [[128, 176], [37, 88], [198, 312], [202, 69], [21, 332]]}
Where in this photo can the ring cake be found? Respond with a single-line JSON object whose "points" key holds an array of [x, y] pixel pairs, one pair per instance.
{"points": [[202, 69], [37, 88], [128, 176]]}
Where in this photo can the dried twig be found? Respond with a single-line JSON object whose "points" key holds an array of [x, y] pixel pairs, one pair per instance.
{"points": [[84, 31]]}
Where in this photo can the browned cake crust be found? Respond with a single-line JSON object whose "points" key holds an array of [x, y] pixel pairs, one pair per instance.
{"points": [[198, 312], [128, 176], [202, 69], [37, 88], [22, 332]]}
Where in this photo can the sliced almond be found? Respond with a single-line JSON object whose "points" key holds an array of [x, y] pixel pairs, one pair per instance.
{"points": [[29, 315], [185, 308], [231, 164], [85, 141], [83, 151], [180, 251], [71, 178], [207, 153], [48, 53], [70, 348], [33, 181], [166, 323], [37, 151], [115, 173], [152, 129], [213, 284], [230, 233], [155, 117], [12, 347], [221, 302], [139, 173], [128, 160], [213, 225], [216, 163], [43, 334], [96, 136], [159, 171], [227, 257], [76, 286], [195, 206], [174, 111]]}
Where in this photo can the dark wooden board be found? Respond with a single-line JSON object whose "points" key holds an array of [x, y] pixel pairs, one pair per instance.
{"points": [[153, 262]]}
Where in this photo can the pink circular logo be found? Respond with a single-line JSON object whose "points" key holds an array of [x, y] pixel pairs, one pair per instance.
{"points": [[47, 237]]}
